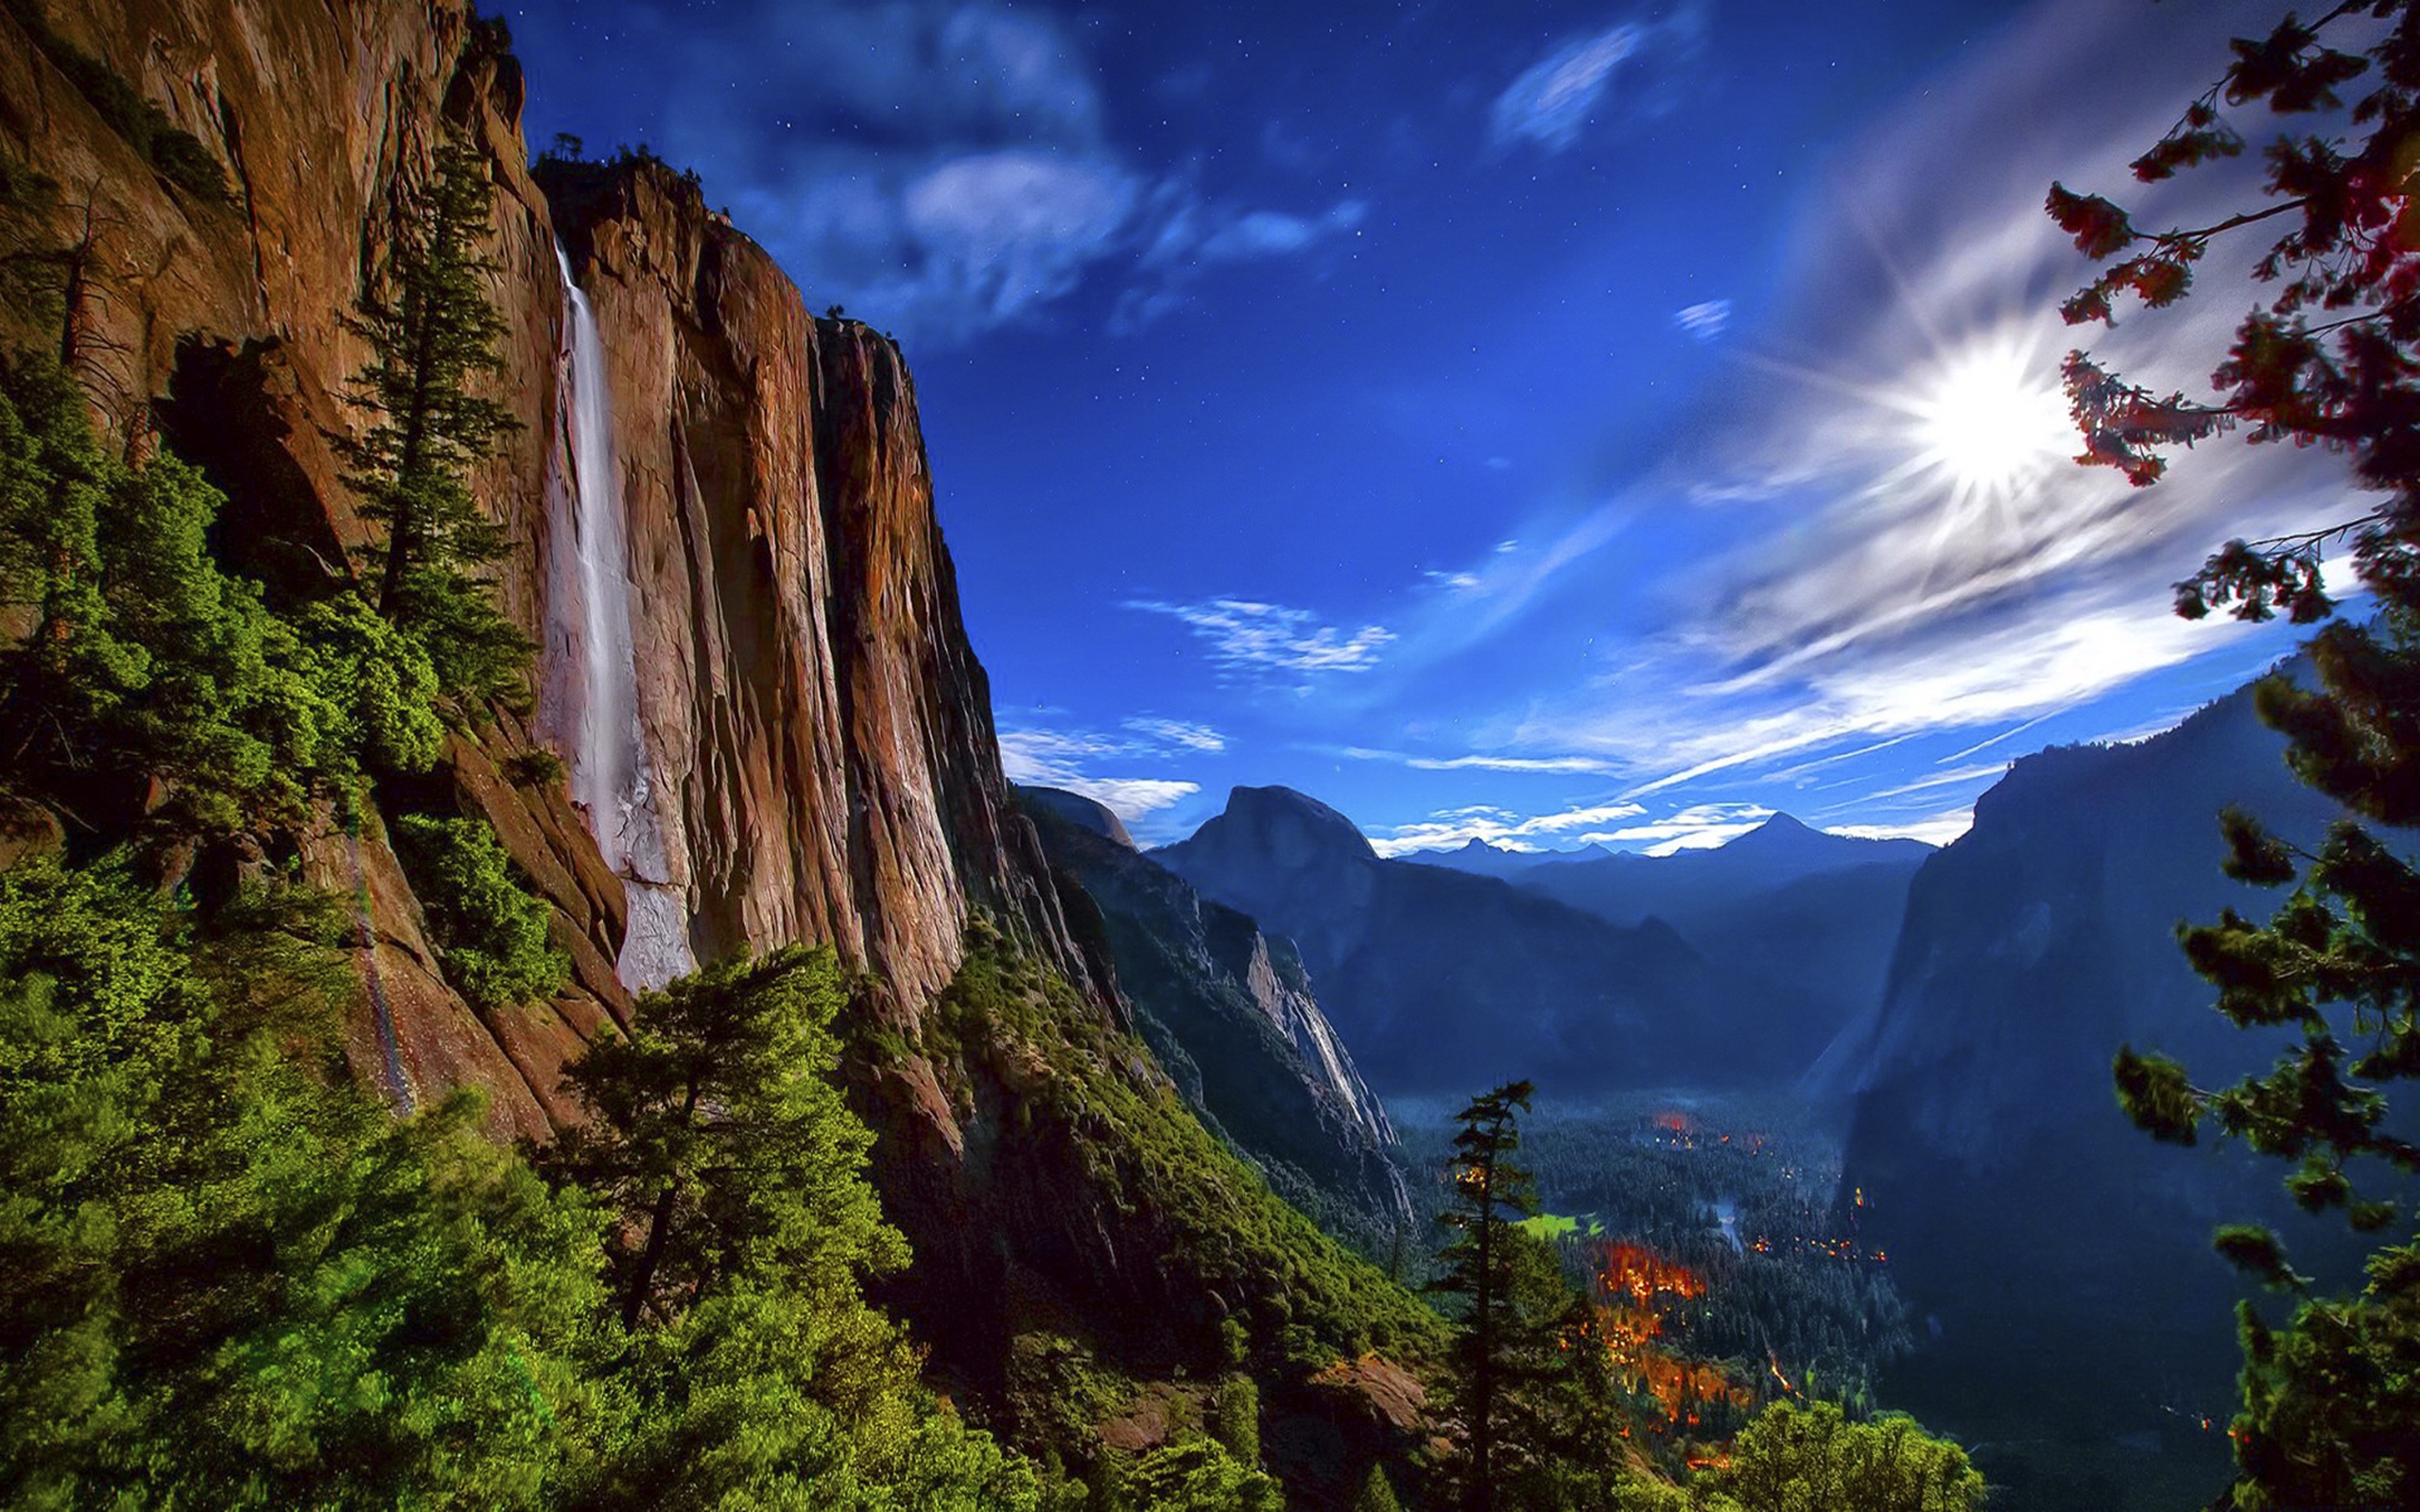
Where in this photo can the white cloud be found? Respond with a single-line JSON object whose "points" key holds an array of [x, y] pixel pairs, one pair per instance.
{"points": [[1452, 828], [1483, 763], [1245, 635], [1179, 732], [1705, 321], [1862, 582], [1133, 799], [1003, 230], [1576, 85], [1274, 233], [939, 167], [1699, 827], [1188, 235], [1940, 829], [1061, 757]]}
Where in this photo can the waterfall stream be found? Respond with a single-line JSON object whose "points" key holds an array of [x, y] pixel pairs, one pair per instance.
{"points": [[590, 706]]}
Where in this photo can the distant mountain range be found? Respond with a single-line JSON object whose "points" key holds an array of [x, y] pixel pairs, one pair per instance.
{"points": [[1569, 972]]}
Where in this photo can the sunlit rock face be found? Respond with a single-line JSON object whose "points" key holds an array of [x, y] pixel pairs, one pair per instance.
{"points": [[816, 730], [1442, 982], [2023, 1212], [1231, 1013]]}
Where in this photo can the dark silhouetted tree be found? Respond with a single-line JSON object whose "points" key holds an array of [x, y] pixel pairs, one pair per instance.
{"points": [[1491, 1193], [2328, 357]]}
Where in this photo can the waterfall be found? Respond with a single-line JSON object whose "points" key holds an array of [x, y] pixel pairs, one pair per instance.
{"points": [[590, 706]]}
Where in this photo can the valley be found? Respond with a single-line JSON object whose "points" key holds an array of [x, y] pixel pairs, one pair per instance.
{"points": [[540, 968]]}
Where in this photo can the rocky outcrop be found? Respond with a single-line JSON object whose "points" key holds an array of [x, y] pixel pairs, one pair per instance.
{"points": [[1230, 1013], [1084, 813], [807, 688]]}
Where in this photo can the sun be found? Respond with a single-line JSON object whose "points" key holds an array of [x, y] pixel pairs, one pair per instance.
{"points": [[1989, 419]]}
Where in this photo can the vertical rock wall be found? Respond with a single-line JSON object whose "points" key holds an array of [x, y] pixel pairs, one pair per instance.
{"points": [[806, 687]]}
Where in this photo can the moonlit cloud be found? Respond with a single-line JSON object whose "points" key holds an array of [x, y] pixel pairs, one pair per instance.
{"points": [[1454, 828], [1900, 543], [1704, 322], [1246, 636], [939, 167], [1072, 759], [1177, 733], [1483, 763], [1940, 829], [1619, 72]]}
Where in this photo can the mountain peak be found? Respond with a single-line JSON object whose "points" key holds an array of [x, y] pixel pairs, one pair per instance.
{"points": [[1285, 816], [1077, 810]]}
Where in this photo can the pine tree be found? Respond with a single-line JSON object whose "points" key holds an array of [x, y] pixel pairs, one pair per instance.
{"points": [[1491, 1193], [433, 332], [755, 1372], [2331, 1406]]}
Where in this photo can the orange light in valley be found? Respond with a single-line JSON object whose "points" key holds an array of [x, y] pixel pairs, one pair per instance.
{"points": [[1638, 1272], [1631, 1282]]}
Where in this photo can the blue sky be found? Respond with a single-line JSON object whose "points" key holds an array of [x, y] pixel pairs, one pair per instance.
{"points": [[1549, 422]]}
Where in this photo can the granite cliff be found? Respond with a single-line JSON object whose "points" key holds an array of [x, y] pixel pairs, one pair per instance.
{"points": [[2026, 1219], [1233, 1015], [818, 726]]}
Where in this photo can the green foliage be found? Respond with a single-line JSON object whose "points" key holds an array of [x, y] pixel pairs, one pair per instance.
{"points": [[2329, 1402], [175, 154], [718, 1135], [490, 932], [534, 768], [1305, 1300], [1198, 1474], [232, 1283], [755, 1373], [142, 659], [1234, 1421], [1376, 1495], [1798, 1459], [2337, 961], [433, 332], [1482, 1263]]}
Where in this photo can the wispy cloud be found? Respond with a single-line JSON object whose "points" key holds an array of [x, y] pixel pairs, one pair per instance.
{"points": [[1483, 763], [1938, 829], [1704, 320], [1182, 734], [1619, 72], [940, 167], [1246, 636], [1072, 759], [1864, 581], [1451, 828], [1188, 235]]}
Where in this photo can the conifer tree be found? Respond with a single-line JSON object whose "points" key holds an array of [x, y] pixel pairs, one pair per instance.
{"points": [[2330, 357], [433, 330], [1491, 1195]]}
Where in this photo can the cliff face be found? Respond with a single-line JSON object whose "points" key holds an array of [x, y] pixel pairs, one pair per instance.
{"points": [[2043, 1235], [1232, 1016], [817, 727]]}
